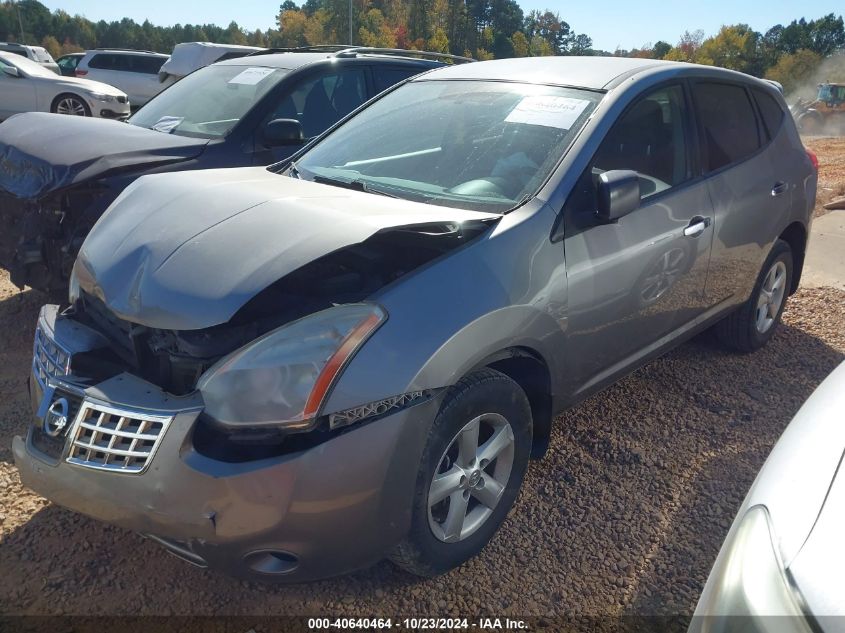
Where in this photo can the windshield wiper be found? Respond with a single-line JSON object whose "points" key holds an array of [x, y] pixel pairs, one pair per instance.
{"points": [[356, 185]]}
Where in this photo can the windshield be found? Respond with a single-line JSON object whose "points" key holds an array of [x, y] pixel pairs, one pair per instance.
{"points": [[477, 145], [209, 102], [29, 67]]}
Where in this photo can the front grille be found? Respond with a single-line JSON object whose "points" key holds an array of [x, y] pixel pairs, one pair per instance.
{"points": [[48, 358], [54, 446], [112, 439]]}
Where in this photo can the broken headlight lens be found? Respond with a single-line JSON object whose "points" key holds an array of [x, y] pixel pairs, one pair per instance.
{"points": [[282, 377]]}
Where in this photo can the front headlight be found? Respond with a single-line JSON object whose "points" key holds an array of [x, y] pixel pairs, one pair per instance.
{"points": [[282, 378], [102, 97], [749, 580]]}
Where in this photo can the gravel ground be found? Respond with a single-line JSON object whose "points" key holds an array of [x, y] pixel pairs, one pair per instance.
{"points": [[623, 516], [831, 154]]}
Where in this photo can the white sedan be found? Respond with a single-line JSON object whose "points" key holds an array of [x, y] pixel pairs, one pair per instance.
{"points": [[28, 87], [780, 568]]}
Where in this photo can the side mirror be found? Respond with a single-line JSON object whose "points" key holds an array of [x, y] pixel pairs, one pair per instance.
{"points": [[11, 71], [618, 194], [283, 132]]}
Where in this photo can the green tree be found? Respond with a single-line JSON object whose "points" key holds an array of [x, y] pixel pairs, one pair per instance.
{"points": [[793, 70], [520, 44], [439, 43]]}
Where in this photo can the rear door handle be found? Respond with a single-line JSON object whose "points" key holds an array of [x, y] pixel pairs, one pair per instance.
{"points": [[779, 188], [696, 226]]}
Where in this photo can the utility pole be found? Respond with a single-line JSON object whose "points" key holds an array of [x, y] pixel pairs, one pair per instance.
{"points": [[20, 20], [350, 21]]}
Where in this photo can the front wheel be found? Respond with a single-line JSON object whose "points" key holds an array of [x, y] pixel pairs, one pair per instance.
{"points": [[752, 325], [471, 471], [70, 104]]}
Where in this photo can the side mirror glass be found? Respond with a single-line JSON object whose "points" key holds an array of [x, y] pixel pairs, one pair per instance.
{"points": [[283, 132], [618, 194], [11, 71]]}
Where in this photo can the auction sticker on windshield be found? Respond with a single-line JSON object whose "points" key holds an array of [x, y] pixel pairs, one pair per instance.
{"points": [[251, 76], [548, 111]]}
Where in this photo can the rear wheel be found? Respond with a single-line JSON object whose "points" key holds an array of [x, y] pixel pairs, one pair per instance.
{"points": [[754, 323], [472, 468], [70, 104]]}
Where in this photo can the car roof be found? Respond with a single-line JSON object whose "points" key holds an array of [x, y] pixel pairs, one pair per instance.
{"points": [[292, 61], [125, 51], [587, 72]]}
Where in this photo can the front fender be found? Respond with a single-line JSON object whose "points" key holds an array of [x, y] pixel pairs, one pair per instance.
{"points": [[506, 289]]}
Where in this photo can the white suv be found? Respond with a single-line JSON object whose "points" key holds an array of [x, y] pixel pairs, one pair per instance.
{"points": [[134, 72], [38, 54]]}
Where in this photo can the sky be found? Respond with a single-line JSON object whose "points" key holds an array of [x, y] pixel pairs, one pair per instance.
{"points": [[611, 23]]}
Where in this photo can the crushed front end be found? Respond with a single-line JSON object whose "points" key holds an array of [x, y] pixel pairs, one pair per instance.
{"points": [[129, 441]]}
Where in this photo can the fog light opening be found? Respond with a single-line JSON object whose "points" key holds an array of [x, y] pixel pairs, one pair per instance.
{"points": [[274, 562]]}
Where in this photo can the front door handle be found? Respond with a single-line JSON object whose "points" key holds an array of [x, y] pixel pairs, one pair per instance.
{"points": [[779, 188], [696, 226]]}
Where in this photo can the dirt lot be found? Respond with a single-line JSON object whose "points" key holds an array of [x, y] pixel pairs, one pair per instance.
{"points": [[831, 154], [625, 514]]}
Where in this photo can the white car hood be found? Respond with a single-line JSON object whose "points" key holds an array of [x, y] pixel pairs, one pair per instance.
{"points": [[186, 250], [798, 474], [86, 85]]}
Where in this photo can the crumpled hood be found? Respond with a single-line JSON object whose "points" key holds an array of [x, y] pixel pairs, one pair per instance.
{"points": [[186, 250], [41, 153]]}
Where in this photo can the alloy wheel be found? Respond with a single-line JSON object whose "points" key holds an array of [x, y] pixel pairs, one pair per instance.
{"points": [[771, 296], [72, 106], [471, 477]]}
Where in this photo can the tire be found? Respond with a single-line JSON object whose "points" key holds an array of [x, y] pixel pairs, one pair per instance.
{"points": [[810, 124], [743, 330], [432, 547], [70, 104]]}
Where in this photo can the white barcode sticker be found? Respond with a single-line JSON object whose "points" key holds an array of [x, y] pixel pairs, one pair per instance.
{"points": [[251, 76], [549, 111]]}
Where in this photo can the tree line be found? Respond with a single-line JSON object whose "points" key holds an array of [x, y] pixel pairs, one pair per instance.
{"points": [[483, 29]]}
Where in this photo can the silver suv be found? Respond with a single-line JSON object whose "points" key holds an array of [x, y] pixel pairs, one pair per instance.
{"points": [[294, 372], [38, 54], [133, 72]]}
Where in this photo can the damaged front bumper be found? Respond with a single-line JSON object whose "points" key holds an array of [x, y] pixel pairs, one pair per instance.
{"points": [[121, 451]]}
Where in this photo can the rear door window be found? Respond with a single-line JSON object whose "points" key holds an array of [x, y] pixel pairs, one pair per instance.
{"points": [[770, 110], [728, 124], [147, 65]]}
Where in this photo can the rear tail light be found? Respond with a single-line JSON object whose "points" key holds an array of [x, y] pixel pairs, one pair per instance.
{"points": [[80, 73], [813, 159]]}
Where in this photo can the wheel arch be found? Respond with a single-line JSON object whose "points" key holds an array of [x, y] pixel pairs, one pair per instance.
{"points": [[529, 370], [61, 95], [796, 236]]}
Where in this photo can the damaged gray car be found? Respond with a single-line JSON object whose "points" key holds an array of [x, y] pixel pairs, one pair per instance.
{"points": [[352, 354]]}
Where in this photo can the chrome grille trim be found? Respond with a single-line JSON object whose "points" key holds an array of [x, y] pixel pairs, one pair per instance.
{"points": [[120, 440], [49, 359]]}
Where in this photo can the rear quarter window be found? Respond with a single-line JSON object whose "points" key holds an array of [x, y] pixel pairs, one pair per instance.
{"points": [[770, 110], [104, 62], [384, 78], [728, 124]]}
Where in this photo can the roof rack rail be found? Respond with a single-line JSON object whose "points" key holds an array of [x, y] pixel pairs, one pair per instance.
{"points": [[319, 48], [125, 50], [401, 52], [347, 50]]}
